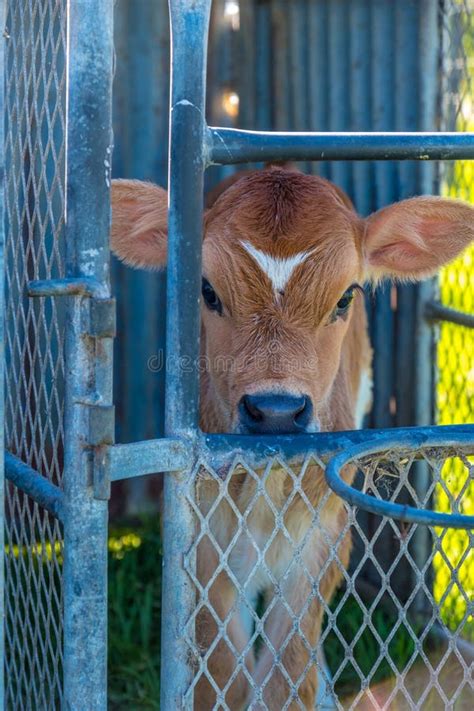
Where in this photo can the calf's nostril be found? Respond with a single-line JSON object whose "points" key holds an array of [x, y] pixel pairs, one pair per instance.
{"points": [[303, 415], [251, 409]]}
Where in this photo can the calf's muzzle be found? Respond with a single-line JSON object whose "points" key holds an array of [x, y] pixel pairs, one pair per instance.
{"points": [[275, 413]]}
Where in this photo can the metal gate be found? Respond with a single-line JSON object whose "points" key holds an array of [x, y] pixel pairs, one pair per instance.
{"points": [[58, 338], [59, 417]]}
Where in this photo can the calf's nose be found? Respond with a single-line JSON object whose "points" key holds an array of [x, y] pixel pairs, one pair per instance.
{"points": [[275, 413]]}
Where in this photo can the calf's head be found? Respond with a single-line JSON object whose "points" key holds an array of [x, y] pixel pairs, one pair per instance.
{"points": [[285, 257]]}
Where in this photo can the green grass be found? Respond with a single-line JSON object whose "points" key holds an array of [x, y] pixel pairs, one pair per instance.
{"points": [[134, 616]]}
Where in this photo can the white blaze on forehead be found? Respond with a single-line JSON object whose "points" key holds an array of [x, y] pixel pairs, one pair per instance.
{"points": [[277, 270]]}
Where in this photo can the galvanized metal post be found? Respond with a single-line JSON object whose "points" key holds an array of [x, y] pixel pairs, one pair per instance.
{"points": [[189, 29], [2, 361], [383, 115], [88, 358], [429, 48], [424, 345]]}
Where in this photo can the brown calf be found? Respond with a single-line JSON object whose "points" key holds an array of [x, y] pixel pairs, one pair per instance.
{"points": [[285, 338]]}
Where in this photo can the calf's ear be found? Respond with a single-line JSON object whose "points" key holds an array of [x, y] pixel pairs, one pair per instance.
{"points": [[139, 231], [413, 238]]}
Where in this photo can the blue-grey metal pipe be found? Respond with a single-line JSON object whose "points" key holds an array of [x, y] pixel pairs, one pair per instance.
{"points": [[35, 485], [435, 311], [401, 512], [141, 458], [189, 31], [2, 359], [70, 286], [424, 346], [424, 353], [228, 145], [407, 81], [359, 90], [383, 118], [221, 449], [88, 360]]}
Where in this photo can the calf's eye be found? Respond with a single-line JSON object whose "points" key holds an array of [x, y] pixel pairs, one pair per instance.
{"points": [[346, 300], [342, 306], [210, 297]]}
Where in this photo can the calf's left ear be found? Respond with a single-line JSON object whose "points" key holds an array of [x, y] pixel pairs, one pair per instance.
{"points": [[139, 230], [413, 238]]}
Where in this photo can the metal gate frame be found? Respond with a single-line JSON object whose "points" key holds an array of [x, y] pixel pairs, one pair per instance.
{"points": [[81, 504], [92, 461]]}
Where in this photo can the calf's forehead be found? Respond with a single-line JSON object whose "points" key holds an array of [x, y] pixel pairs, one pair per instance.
{"points": [[278, 208], [277, 232]]}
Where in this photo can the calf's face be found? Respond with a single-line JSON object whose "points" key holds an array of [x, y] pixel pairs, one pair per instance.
{"points": [[284, 261]]}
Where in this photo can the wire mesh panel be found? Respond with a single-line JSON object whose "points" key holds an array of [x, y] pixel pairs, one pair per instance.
{"points": [[277, 607], [35, 209], [455, 343], [59, 325]]}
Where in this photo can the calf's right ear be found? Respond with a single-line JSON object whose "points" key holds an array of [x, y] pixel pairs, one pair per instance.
{"points": [[139, 231], [413, 238]]}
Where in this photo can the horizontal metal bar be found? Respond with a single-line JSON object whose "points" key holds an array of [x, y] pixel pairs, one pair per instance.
{"points": [[434, 311], [46, 494], [81, 286], [228, 145], [149, 457], [401, 512], [222, 449]]}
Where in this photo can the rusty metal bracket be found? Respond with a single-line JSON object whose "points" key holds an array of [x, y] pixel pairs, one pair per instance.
{"points": [[101, 425], [102, 318], [70, 286]]}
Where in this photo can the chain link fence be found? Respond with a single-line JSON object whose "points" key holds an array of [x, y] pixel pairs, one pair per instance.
{"points": [[266, 618], [455, 343], [35, 75]]}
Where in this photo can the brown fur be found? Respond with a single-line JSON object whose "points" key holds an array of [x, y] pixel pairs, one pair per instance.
{"points": [[302, 349]]}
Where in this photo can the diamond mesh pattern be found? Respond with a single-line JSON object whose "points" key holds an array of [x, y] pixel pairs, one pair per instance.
{"points": [[35, 207], [455, 388], [271, 548]]}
